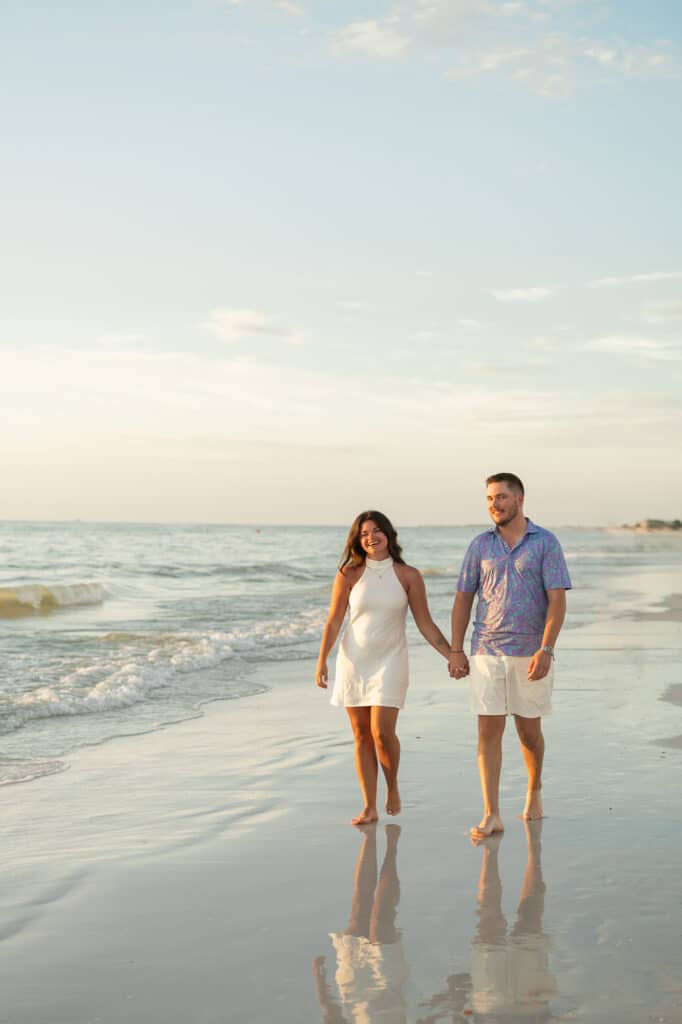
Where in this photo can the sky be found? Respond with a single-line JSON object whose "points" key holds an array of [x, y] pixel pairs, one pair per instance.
{"points": [[282, 261]]}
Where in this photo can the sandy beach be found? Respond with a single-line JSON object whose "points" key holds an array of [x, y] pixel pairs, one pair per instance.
{"points": [[224, 889]]}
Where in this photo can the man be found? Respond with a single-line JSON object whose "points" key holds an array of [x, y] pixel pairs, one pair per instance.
{"points": [[519, 572]]}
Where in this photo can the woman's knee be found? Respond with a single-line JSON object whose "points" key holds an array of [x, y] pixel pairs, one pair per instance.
{"points": [[384, 738], [362, 734]]}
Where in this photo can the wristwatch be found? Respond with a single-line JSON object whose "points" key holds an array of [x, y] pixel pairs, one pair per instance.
{"points": [[547, 649]]}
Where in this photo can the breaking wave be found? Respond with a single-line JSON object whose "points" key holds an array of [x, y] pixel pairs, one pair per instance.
{"points": [[36, 598]]}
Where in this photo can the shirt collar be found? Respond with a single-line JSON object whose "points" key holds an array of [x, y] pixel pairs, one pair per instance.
{"points": [[530, 528]]}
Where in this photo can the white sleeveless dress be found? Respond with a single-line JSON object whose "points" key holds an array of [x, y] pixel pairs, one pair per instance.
{"points": [[371, 664]]}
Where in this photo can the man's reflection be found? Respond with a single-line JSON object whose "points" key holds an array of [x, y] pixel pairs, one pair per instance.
{"points": [[371, 967], [510, 974], [510, 980]]}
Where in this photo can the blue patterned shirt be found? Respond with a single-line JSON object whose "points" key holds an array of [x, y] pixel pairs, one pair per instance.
{"points": [[512, 587]]}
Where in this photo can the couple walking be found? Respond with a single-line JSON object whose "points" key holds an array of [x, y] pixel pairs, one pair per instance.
{"points": [[518, 572]]}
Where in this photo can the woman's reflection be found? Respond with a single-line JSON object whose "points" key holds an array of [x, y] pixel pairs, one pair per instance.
{"points": [[371, 967]]}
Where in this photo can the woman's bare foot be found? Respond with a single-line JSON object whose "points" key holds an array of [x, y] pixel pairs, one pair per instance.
{"points": [[393, 805], [490, 824], [368, 815], [489, 843], [533, 809]]}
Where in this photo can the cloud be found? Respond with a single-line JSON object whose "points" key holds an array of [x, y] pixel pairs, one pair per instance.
{"points": [[424, 336], [186, 395], [295, 10], [491, 60], [542, 344], [650, 349], [169, 393], [520, 294], [553, 64], [118, 339], [663, 313], [544, 66], [617, 282], [237, 324], [453, 11], [371, 39], [632, 61], [504, 38], [521, 369]]}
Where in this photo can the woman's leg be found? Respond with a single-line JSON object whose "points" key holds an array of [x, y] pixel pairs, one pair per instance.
{"points": [[364, 884], [365, 763], [384, 721], [387, 897]]}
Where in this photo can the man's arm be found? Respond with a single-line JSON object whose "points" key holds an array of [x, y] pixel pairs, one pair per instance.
{"points": [[556, 613], [458, 663]]}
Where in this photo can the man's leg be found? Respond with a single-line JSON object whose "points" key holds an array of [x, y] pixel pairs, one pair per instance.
{"points": [[533, 750], [492, 924], [490, 731], [532, 901]]}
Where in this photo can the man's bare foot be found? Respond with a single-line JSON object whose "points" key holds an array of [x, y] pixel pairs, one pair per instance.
{"points": [[368, 815], [533, 809], [490, 824], [533, 830], [393, 805]]}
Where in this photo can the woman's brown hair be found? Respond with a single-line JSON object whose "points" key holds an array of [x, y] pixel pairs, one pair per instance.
{"points": [[353, 553]]}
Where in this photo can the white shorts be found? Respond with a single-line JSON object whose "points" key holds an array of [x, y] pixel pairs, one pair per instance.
{"points": [[499, 685]]}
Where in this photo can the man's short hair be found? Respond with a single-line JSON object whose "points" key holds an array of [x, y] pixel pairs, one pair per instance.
{"points": [[511, 479]]}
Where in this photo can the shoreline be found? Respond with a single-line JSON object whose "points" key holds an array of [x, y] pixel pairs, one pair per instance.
{"points": [[196, 872]]}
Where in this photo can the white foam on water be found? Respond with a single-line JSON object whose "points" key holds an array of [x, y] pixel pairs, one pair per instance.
{"points": [[13, 770], [136, 668]]}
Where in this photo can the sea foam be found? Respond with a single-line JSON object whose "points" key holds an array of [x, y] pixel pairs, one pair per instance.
{"points": [[138, 667]]}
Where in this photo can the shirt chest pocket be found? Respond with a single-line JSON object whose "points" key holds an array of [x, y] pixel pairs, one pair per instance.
{"points": [[527, 567]]}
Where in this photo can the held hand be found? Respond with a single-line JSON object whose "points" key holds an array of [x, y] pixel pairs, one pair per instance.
{"points": [[540, 664], [322, 676], [458, 666]]}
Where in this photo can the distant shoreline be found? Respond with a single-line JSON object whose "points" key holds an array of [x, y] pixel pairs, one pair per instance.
{"points": [[653, 526]]}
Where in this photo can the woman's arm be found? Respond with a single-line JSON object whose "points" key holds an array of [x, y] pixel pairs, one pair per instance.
{"points": [[419, 606], [337, 610]]}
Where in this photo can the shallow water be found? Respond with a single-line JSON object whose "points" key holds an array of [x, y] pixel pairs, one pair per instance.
{"points": [[209, 866], [113, 629]]}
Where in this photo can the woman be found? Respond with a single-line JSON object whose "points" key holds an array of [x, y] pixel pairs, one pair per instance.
{"points": [[371, 665]]}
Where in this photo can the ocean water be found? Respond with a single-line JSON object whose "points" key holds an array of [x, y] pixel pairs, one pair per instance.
{"points": [[111, 629]]}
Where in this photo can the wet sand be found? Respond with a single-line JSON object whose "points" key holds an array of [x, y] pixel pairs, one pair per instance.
{"points": [[208, 872], [668, 609]]}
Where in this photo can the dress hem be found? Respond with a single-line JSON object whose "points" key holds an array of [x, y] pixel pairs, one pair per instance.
{"points": [[367, 704]]}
